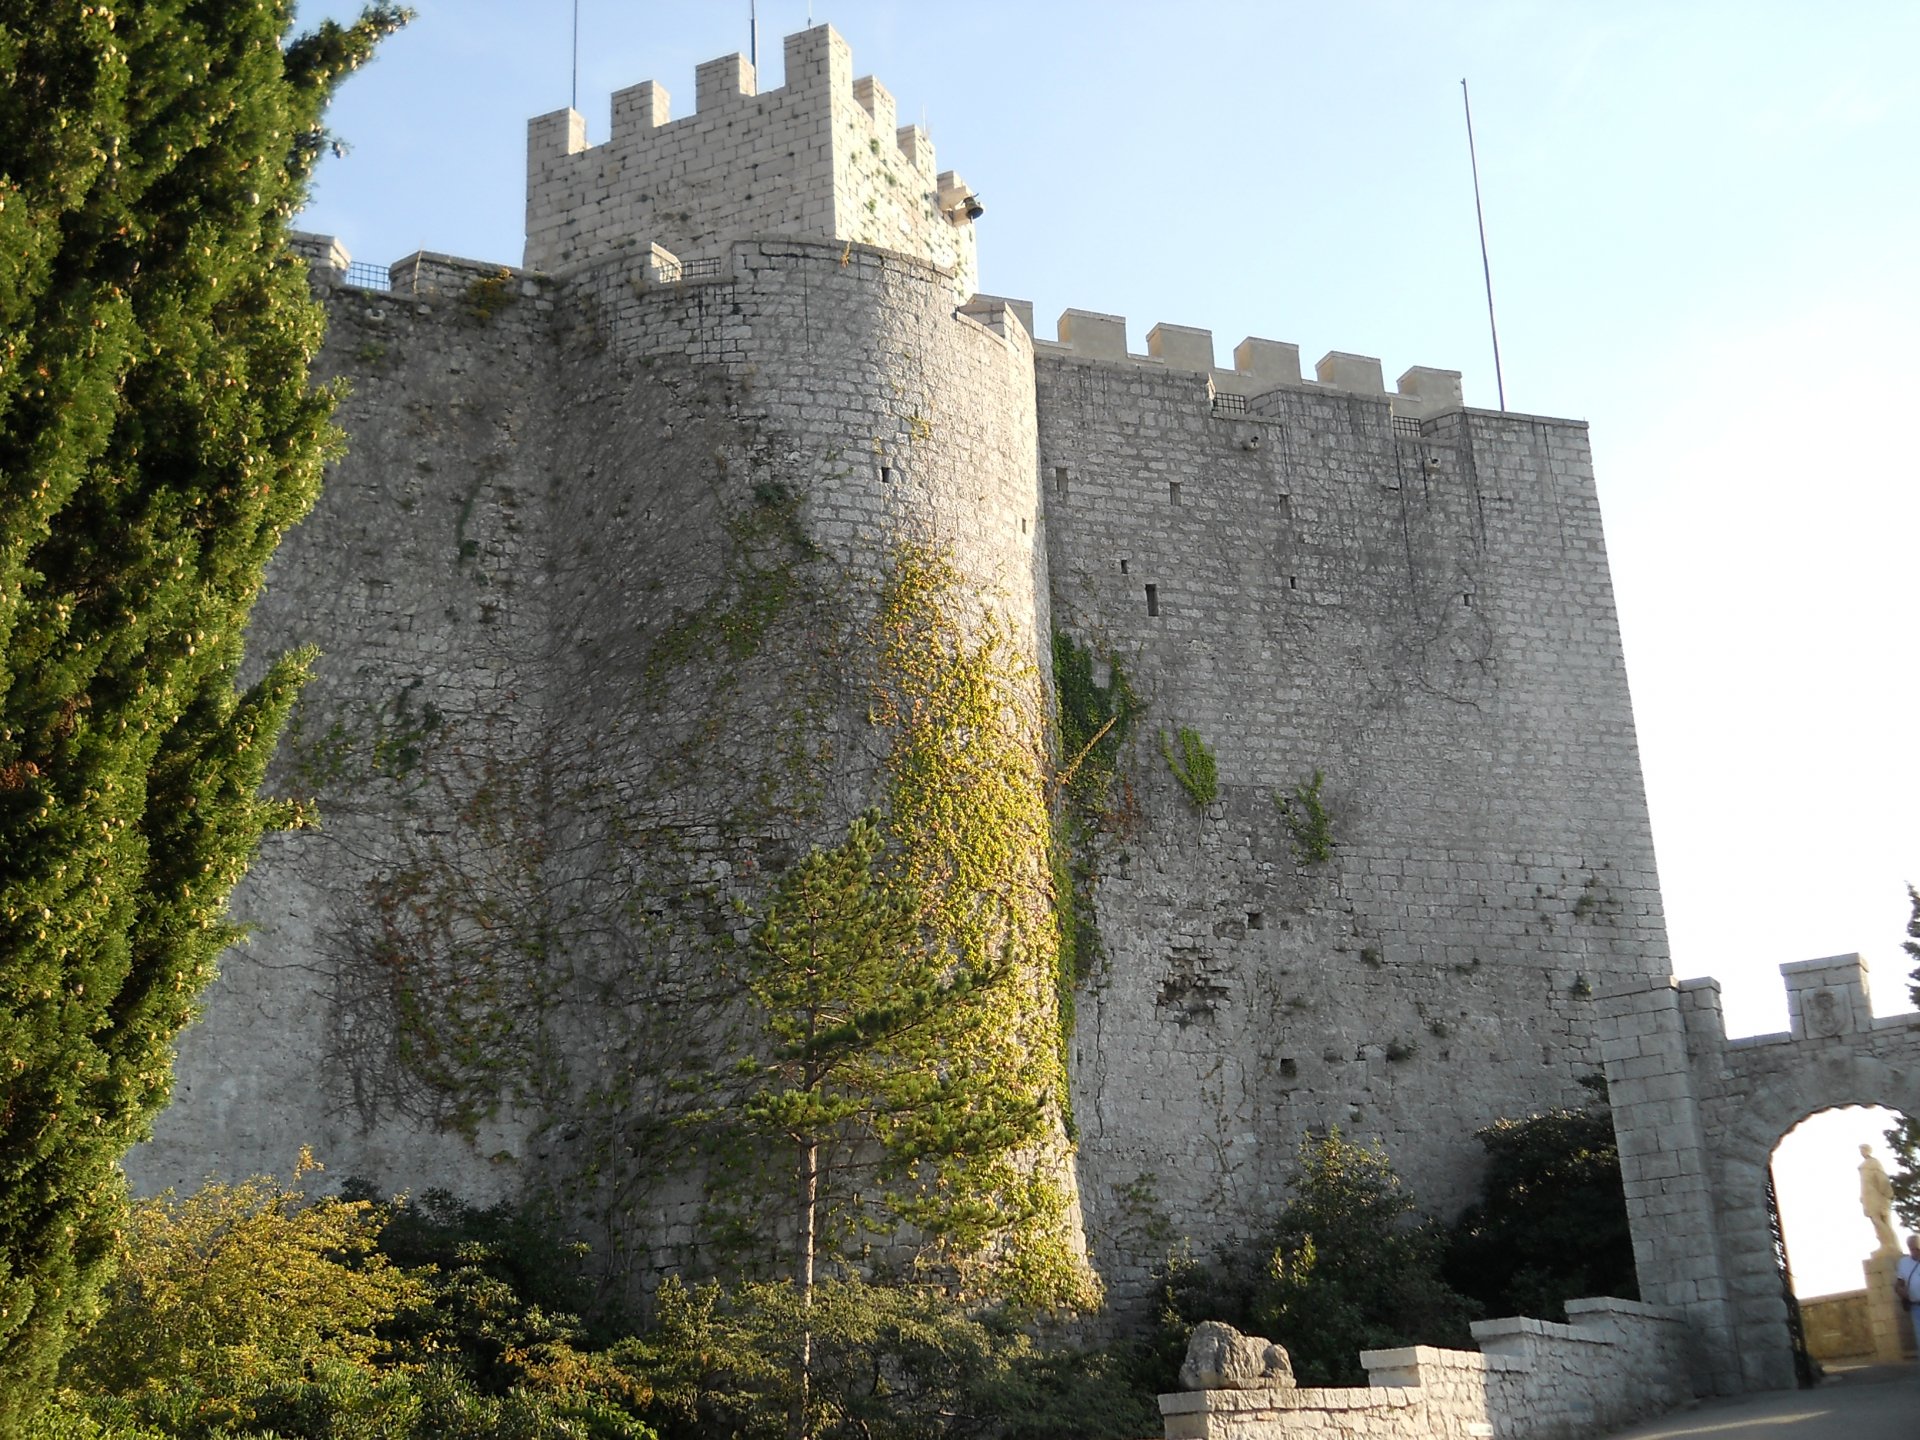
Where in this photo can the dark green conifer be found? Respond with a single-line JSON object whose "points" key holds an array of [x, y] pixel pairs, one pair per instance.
{"points": [[158, 434], [1904, 1137]]}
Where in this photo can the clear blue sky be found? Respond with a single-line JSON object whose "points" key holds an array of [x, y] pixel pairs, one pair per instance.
{"points": [[1704, 221]]}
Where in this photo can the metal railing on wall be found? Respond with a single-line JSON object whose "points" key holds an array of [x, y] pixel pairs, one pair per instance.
{"points": [[364, 275]]}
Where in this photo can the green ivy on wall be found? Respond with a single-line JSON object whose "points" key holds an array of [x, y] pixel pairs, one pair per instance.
{"points": [[1191, 760], [1094, 797], [1308, 821]]}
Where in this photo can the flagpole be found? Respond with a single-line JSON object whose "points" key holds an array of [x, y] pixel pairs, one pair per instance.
{"points": [[1486, 268]]}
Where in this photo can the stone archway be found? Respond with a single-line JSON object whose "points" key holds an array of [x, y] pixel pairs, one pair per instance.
{"points": [[1698, 1117], [1837, 1264]]}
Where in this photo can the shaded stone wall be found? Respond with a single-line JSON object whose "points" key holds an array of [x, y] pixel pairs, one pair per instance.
{"points": [[1422, 614]]}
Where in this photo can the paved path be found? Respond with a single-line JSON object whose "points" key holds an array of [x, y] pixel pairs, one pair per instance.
{"points": [[1871, 1403]]}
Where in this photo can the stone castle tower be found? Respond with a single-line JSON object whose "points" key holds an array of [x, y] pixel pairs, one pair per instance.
{"points": [[582, 583]]}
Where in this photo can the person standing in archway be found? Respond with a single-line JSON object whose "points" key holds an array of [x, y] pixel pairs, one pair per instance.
{"points": [[1906, 1277]]}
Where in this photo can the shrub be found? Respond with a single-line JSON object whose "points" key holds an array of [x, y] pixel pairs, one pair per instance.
{"points": [[1551, 1225], [1347, 1266], [237, 1285], [888, 1363]]}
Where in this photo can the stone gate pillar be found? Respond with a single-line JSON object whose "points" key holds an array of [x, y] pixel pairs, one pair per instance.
{"points": [[1664, 1163]]}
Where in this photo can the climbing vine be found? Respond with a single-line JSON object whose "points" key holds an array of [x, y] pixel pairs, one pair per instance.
{"points": [[1308, 821], [555, 900], [1095, 798], [969, 832], [1191, 760]]}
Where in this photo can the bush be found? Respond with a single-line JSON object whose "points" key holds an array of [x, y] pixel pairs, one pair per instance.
{"points": [[249, 1310], [1347, 1266], [239, 1285], [888, 1363], [1551, 1225]]}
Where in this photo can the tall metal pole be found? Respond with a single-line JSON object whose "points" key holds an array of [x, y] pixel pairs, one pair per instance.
{"points": [[1486, 269], [753, 35], [574, 100]]}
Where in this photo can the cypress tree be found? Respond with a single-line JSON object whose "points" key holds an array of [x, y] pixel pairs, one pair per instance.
{"points": [[158, 434]]}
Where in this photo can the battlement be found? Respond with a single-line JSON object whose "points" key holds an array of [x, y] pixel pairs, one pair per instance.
{"points": [[1258, 365], [822, 157]]}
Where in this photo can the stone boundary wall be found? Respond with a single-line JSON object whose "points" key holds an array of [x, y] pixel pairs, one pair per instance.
{"points": [[1837, 1327], [1616, 1362]]}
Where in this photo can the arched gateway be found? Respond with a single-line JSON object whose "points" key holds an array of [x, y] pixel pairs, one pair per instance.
{"points": [[1698, 1117]]}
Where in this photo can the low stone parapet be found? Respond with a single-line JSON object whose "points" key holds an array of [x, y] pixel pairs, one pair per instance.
{"points": [[1614, 1363]]}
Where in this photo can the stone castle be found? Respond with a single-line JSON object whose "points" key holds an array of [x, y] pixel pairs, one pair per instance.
{"points": [[544, 569]]}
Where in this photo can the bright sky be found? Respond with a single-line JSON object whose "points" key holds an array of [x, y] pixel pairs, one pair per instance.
{"points": [[1702, 219]]}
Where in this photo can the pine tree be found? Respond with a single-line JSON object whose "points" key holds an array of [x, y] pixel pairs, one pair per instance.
{"points": [[158, 434], [855, 1090]]}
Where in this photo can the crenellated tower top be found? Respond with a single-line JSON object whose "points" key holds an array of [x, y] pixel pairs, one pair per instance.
{"points": [[819, 158]]}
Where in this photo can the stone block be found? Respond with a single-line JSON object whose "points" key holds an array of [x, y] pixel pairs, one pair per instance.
{"points": [[1092, 335], [1181, 347], [1358, 373]]}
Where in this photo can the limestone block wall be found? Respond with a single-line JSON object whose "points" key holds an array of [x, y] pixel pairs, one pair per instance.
{"points": [[417, 577], [1614, 1363], [1838, 1326], [584, 583], [819, 157], [839, 380], [1421, 612]]}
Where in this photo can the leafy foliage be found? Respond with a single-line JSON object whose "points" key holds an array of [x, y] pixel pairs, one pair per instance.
{"points": [[1551, 1225], [503, 1296], [890, 1363], [1191, 760], [969, 836], [1096, 727], [1347, 1266], [1904, 1138], [247, 1309], [269, 1314], [1096, 723], [157, 436], [1308, 821], [239, 1284], [909, 1079]]}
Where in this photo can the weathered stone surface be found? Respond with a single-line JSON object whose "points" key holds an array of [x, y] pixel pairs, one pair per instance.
{"points": [[1219, 1357], [1614, 1363]]}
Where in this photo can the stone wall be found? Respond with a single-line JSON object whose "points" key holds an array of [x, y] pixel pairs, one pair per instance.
{"points": [[1614, 1363], [819, 157], [1421, 613], [1838, 1327], [414, 577], [583, 585]]}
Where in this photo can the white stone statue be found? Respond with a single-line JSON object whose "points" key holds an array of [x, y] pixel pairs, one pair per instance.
{"points": [[1876, 1201]]}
